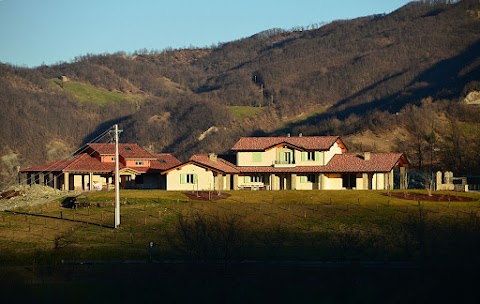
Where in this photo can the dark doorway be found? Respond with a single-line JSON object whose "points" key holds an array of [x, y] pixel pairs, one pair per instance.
{"points": [[349, 181]]}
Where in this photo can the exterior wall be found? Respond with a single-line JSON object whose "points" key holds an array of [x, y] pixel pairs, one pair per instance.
{"points": [[279, 155], [77, 182], [246, 158], [378, 182], [305, 185], [317, 162], [333, 182], [205, 179], [302, 184], [132, 163], [360, 183], [273, 156], [334, 149], [108, 159]]}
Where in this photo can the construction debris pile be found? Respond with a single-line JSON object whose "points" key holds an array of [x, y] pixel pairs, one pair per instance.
{"points": [[24, 196]]}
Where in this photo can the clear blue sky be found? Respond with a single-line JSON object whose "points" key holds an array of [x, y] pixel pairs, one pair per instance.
{"points": [[33, 32]]}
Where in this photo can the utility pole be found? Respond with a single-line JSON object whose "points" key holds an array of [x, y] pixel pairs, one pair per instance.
{"points": [[117, 181]]}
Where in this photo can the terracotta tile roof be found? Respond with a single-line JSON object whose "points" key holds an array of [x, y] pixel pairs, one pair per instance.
{"points": [[53, 166], [219, 165], [127, 151], [80, 163], [86, 163], [164, 161], [341, 163], [303, 142], [203, 160], [137, 170], [356, 163]]}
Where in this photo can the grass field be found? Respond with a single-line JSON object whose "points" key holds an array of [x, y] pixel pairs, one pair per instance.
{"points": [[273, 225], [255, 246], [85, 93]]}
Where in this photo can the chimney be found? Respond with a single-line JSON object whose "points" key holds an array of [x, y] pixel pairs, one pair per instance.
{"points": [[288, 135], [300, 135], [212, 157], [366, 156]]}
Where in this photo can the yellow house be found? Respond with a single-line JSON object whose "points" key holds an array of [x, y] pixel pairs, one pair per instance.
{"points": [[202, 173], [296, 163], [257, 163]]}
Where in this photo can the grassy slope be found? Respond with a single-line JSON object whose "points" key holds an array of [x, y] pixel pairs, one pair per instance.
{"points": [[88, 94], [365, 225], [242, 112]]}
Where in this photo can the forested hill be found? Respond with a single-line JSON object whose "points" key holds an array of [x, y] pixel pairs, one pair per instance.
{"points": [[384, 82]]}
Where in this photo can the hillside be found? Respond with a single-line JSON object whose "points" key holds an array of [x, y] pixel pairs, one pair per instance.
{"points": [[384, 82]]}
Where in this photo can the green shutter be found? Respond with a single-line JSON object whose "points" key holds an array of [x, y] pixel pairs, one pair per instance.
{"points": [[257, 157], [304, 156], [183, 178], [282, 157], [195, 178], [303, 179], [247, 179], [317, 155]]}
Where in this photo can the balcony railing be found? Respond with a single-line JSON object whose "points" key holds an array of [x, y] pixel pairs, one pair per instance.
{"points": [[284, 164]]}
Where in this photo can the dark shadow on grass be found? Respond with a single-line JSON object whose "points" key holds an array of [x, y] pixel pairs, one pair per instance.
{"points": [[60, 219]]}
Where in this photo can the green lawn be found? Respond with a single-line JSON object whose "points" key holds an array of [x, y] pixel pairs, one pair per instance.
{"points": [[284, 225], [85, 93]]}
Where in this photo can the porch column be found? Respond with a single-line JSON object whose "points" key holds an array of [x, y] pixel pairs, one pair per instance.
{"points": [[403, 173], [66, 180], [90, 181], [215, 181], [293, 182], [321, 181], [365, 181], [235, 182], [84, 182], [55, 181], [389, 180], [272, 182]]}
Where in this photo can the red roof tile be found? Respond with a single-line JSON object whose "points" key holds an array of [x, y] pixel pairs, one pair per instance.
{"points": [[218, 164], [203, 160], [79, 163], [302, 142], [86, 163], [127, 151], [341, 163], [53, 166], [164, 161], [356, 163]]}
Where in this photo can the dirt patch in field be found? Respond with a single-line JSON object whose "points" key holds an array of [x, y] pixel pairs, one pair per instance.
{"points": [[206, 196], [435, 197]]}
